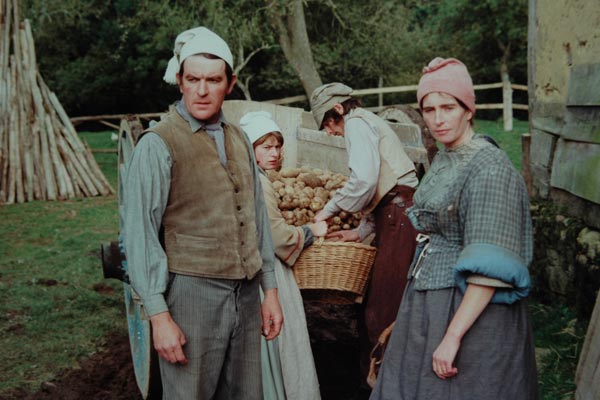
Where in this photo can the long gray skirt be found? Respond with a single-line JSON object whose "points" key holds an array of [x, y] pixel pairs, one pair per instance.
{"points": [[496, 359]]}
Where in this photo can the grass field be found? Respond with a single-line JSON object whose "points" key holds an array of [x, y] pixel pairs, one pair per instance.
{"points": [[56, 308]]}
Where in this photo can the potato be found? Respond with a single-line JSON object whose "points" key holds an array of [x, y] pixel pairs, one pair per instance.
{"points": [[289, 172], [310, 179], [304, 192]]}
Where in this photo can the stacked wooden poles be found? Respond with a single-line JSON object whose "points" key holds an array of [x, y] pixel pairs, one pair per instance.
{"points": [[41, 155]]}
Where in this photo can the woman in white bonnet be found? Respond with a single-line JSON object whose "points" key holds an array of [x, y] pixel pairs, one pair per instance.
{"points": [[287, 362]]}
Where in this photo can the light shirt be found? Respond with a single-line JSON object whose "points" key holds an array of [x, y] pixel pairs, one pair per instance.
{"points": [[146, 194]]}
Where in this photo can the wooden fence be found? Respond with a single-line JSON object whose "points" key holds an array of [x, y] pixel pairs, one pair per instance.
{"points": [[507, 106]]}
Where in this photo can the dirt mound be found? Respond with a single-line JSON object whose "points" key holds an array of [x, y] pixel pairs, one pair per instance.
{"points": [[107, 375]]}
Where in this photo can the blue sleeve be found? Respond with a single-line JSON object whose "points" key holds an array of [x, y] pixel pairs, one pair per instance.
{"points": [[496, 224], [494, 262]]}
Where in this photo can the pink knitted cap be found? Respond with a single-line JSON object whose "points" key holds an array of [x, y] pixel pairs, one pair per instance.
{"points": [[450, 76]]}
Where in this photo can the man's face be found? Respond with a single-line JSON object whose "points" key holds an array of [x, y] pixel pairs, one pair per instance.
{"points": [[332, 127], [204, 87]]}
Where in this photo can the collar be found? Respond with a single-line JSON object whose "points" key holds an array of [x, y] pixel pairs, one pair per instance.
{"points": [[196, 124]]}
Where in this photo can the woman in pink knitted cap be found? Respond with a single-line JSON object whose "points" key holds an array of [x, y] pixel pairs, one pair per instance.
{"points": [[463, 328]]}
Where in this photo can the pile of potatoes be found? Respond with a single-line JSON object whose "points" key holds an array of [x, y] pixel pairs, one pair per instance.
{"points": [[303, 192]]}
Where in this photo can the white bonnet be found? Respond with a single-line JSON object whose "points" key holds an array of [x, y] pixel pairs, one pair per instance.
{"points": [[256, 124], [195, 41]]}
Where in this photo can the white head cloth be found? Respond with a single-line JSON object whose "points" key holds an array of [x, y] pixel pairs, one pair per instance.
{"points": [[195, 41], [256, 124]]}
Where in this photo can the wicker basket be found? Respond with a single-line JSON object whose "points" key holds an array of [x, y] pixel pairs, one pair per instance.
{"points": [[335, 266]]}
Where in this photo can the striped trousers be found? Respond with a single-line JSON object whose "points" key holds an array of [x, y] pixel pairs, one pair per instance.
{"points": [[221, 321]]}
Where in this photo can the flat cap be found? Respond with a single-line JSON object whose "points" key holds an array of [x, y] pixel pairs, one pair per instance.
{"points": [[324, 97]]}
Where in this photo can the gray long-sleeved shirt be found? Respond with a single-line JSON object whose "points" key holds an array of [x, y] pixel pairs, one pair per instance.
{"points": [[146, 193]]}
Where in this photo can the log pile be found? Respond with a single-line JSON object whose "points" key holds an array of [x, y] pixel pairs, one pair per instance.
{"points": [[41, 155]]}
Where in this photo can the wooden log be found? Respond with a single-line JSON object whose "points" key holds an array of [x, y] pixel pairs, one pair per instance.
{"points": [[14, 162], [38, 174], [49, 178], [77, 148], [27, 117], [83, 154], [3, 160], [93, 185], [38, 124], [5, 44], [88, 186], [76, 180], [80, 187], [106, 189], [25, 182], [59, 170]]}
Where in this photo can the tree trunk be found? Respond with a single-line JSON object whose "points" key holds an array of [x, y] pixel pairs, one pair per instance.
{"points": [[290, 24]]}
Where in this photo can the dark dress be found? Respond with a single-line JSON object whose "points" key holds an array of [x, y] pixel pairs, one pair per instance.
{"points": [[474, 207]]}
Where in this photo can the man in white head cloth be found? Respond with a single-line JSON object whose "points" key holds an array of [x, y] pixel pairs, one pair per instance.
{"points": [[197, 235]]}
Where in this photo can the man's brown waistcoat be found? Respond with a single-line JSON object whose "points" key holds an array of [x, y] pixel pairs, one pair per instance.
{"points": [[209, 223]]}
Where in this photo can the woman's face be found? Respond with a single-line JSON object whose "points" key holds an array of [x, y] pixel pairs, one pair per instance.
{"points": [[447, 120], [268, 153]]}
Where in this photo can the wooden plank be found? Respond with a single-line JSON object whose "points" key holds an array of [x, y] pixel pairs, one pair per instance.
{"points": [[78, 120], [576, 169], [105, 150], [109, 124], [584, 81]]}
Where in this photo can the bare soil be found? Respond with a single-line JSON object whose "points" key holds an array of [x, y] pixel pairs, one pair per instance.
{"points": [[108, 375]]}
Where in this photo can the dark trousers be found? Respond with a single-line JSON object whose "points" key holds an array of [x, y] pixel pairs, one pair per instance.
{"points": [[395, 241]]}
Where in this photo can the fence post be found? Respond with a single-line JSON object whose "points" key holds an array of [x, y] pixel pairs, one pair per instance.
{"points": [[380, 94], [507, 104]]}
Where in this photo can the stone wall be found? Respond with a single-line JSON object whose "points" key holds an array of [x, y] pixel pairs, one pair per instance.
{"points": [[566, 258]]}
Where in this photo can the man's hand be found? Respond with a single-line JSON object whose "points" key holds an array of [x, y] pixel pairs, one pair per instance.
{"points": [[343, 236], [321, 216], [168, 338], [318, 229], [272, 316]]}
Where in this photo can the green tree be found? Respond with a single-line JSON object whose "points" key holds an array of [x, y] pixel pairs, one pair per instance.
{"points": [[490, 36], [361, 43]]}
